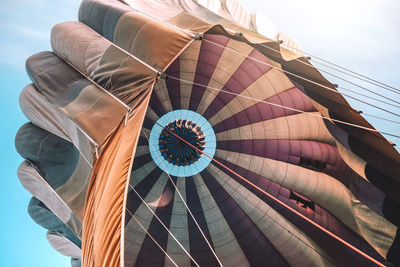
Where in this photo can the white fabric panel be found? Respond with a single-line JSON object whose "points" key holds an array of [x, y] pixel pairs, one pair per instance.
{"points": [[63, 245]]}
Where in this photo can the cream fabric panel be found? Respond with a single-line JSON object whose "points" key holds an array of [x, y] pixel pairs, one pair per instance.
{"points": [[226, 246], [228, 63], [298, 126], [296, 251], [188, 62], [326, 191], [271, 83], [179, 228]]}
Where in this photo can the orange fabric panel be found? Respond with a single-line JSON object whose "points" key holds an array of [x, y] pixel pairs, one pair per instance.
{"points": [[149, 40], [104, 209]]}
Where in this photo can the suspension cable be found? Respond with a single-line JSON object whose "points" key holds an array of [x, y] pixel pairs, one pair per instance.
{"points": [[152, 238], [339, 77], [165, 227], [373, 98], [184, 202], [285, 107], [343, 68], [296, 75], [317, 251], [365, 255]]}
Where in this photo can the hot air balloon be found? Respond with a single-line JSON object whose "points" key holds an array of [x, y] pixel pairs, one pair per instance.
{"points": [[162, 133]]}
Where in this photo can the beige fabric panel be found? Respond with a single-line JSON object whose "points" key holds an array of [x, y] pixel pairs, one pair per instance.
{"points": [[143, 36], [355, 163], [331, 195], [38, 187], [134, 234], [228, 63], [96, 112], [298, 126], [63, 245], [37, 109], [224, 241], [162, 94], [188, 62], [275, 227], [179, 228], [273, 82]]}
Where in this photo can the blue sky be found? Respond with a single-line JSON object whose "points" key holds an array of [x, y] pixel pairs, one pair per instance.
{"points": [[361, 35]]}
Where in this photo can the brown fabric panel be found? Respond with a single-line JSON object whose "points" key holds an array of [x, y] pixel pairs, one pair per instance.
{"points": [[149, 40], [112, 68], [104, 208], [102, 112], [123, 76]]}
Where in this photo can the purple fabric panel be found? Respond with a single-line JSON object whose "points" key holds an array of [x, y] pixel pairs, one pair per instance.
{"points": [[247, 73], [257, 248], [141, 160], [155, 105], [150, 254], [292, 98], [297, 152], [142, 141], [173, 85], [288, 151], [334, 248], [148, 123], [199, 249], [133, 201], [208, 59]]}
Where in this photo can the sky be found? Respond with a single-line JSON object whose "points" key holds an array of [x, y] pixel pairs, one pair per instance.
{"points": [[362, 35]]}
